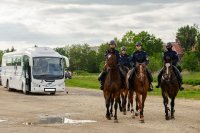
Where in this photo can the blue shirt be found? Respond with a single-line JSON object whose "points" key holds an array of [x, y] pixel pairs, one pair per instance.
{"points": [[173, 56], [124, 60], [115, 52], [140, 57]]}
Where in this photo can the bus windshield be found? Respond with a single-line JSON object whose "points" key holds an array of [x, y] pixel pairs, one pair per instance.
{"points": [[48, 68]]}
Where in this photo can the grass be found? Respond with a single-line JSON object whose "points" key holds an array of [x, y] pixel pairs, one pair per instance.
{"points": [[190, 92], [90, 81], [83, 82], [192, 78]]}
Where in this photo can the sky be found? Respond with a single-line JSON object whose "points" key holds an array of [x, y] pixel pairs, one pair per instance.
{"points": [[56, 23]]}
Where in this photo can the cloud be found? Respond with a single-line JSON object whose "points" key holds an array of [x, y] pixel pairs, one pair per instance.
{"points": [[60, 22]]}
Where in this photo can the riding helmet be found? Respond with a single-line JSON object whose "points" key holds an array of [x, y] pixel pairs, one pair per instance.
{"points": [[138, 44], [112, 42], [123, 48], [169, 45]]}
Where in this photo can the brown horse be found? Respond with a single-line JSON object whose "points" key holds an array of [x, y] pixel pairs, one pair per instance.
{"points": [[141, 85], [123, 91], [170, 88], [112, 86], [130, 94]]}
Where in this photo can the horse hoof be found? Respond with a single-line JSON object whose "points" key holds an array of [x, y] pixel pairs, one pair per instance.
{"points": [[124, 113], [172, 117], [116, 121], [142, 120], [132, 110], [133, 116], [167, 117], [136, 114], [108, 117]]}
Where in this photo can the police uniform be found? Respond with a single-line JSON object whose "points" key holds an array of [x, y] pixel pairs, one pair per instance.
{"points": [[102, 75], [116, 52], [172, 55], [124, 60], [140, 57]]}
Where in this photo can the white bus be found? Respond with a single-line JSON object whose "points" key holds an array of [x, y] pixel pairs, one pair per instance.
{"points": [[36, 70]]}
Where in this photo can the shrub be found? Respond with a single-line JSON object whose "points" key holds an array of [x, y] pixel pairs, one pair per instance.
{"points": [[190, 61]]}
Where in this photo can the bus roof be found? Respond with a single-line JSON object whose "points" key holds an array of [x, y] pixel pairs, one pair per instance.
{"points": [[37, 52]]}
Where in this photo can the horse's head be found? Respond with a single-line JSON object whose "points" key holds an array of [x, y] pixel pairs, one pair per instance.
{"points": [[141, 70], [168, 69], [111, 60]]}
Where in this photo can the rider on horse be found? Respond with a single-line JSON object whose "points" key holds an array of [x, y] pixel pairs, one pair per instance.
{"points": [[124, 58], [124, 63], [174, 57], [102, 75], [140, 56]]}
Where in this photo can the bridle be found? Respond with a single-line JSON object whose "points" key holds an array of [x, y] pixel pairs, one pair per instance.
{"points": [[141, 71]]}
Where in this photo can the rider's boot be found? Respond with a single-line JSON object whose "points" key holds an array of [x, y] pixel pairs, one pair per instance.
{"points": [[159, 78], [101, 78], [101, 85], [179, 77], [150, 78], [130, 84]]}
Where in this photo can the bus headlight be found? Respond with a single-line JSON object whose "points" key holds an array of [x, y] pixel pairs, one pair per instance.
{"points": [[61, 84]]}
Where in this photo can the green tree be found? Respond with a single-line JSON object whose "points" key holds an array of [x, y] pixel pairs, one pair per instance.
{"points": [[198, 42], [61, 51], [93, 64], [100, 55], [187, 36], [1, 55], [190, 61]]}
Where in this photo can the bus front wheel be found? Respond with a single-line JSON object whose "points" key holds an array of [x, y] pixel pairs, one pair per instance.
{"points": [[24, 89], [8, 86]]}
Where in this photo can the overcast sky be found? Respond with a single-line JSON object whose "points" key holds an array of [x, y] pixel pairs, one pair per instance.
{"points": [[55, 23]]}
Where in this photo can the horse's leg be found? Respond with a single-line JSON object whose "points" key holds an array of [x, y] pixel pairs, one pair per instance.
{"points": [[139, 101], [136, 106], [120, 102], [139, 96], [165, 102], [111, 107], [123, 97], [142, 111], [116, 106], [107, 107], [125, 101], [130, 98], [172, 108]]}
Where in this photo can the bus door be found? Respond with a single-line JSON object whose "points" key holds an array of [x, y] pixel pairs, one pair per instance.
{"points": [[27, 73]]}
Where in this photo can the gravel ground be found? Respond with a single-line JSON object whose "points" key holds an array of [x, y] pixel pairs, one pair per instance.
{"points": [[83, 111]]}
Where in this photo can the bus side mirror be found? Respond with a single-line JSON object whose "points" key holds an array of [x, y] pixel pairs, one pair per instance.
{"points": [[66, 61]]}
